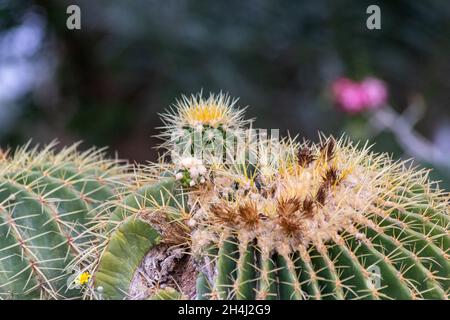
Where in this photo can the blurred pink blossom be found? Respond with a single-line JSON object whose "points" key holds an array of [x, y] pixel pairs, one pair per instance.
{"points": [[375, 91], [354, 97], [348, 95]]}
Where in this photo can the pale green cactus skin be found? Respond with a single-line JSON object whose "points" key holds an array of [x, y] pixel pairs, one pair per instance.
{"points": [[48, 202]]}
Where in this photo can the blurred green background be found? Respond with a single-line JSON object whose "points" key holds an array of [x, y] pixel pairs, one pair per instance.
{"points": [[105, 84]]}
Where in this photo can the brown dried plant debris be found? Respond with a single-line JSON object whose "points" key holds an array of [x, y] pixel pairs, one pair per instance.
{"points": [[327, 149], [248, 212], [174, 232], [289, 206], [308, 207], [224, 213], [331, 177], [164, 266], [305, 156]]}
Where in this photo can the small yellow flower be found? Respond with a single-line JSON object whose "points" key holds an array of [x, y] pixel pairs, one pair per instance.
{"points": [[83, 278]]}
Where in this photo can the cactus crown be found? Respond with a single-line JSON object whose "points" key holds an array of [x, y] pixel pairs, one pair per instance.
{"points": [[215, 111], [199, 115], [311, 195]]}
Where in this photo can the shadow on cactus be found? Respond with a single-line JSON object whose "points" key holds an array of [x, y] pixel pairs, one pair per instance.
{"points": [[330, 220], [49, 203]]}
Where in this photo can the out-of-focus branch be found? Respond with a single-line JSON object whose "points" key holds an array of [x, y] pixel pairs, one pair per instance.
{"points": [[371, 95], [411, 141]]}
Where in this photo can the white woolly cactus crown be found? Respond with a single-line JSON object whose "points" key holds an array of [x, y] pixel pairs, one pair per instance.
{"points": [[303, 221]]}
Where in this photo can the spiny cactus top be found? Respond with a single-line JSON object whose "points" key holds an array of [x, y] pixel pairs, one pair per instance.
{"points": [[322, 205], [197, 114], [48, 204], [303, 221]]}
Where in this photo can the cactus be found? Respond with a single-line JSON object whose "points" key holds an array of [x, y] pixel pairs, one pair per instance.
{"points": [[317, 228], [48, 204], [331, 220]]}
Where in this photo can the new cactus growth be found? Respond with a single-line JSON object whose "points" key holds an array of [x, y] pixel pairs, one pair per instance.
{"points": [[48, 204], [305, 221]]}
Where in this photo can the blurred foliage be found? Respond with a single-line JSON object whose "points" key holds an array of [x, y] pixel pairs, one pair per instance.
{"points": [[106, 83]]}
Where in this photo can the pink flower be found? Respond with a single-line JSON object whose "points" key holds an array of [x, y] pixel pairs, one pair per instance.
{"points": [[348, 95], [354, 97], [375, 91]]}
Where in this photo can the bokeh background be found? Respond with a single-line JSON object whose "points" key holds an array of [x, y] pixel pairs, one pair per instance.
{"points": [[105, 84]]}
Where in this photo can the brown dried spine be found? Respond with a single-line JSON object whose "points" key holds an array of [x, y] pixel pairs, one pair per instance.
{"points": [[305, 156], [288, 207], [321, 195], [288, 220], [248, 212], [224, 213], [308, 207], [328, 149], [331, 177]]}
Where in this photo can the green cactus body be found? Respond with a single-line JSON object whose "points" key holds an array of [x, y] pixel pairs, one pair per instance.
{"points": [[167, 294], [311, 221], [47, 206]]}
